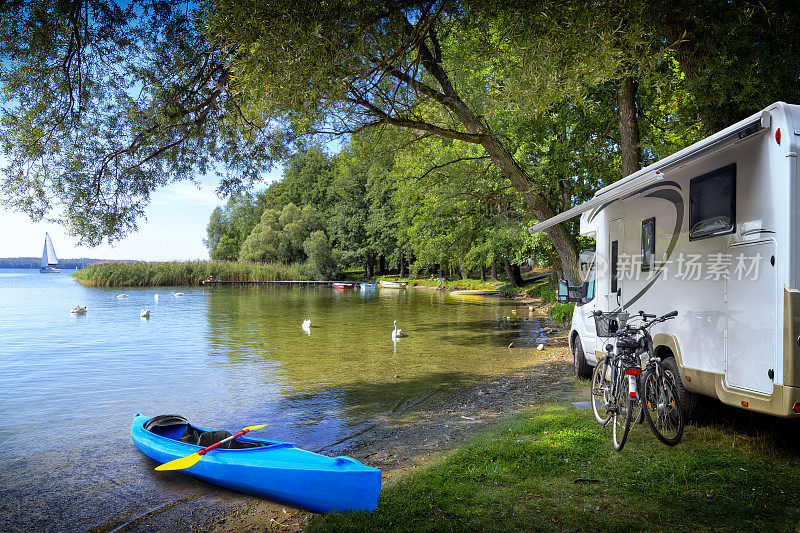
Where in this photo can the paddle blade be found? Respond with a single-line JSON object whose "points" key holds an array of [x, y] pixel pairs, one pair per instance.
{"points": [[251, 428], [181, 463]]}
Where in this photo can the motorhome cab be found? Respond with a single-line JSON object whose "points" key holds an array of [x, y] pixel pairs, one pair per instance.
{"points": [[712, 231]]}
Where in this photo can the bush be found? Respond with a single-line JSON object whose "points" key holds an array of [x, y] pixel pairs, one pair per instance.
{"points": [[156, 274], [561, 312]]}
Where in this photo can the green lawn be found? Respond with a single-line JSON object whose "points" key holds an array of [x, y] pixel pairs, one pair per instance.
{"points": [[553, 468]]}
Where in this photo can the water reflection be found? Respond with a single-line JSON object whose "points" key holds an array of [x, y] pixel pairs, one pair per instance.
{"points": [[225, 358]]}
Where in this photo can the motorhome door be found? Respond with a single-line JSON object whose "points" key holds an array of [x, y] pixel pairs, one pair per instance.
{"points": [[614, 287], [751, 317]]}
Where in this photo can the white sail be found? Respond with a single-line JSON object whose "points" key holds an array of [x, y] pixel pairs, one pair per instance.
{"points": [[49, 253]]}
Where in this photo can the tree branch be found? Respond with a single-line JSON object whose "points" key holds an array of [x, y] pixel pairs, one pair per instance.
{"points": [[437, 167]]}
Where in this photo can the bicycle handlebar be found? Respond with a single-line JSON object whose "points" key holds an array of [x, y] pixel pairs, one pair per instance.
{"points": [[645, 316]]}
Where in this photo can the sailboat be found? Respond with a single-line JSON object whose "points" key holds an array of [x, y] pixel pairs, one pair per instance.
{"points": [[49, 259]]}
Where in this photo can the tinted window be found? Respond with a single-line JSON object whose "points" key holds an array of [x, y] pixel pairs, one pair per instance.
{"points": [[614, 250], [648, 243], [712, 203]]}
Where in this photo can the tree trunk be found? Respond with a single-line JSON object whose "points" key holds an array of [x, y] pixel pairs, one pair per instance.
{"points": [[369, 271], [512, 271], [402, 264], [483, 273], [515, 269], [382, 264], [494, 272], [461, 269], [629, 142], [481, 133]]}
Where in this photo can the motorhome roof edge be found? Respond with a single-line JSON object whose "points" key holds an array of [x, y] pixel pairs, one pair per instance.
{"points": [[757, 123]]}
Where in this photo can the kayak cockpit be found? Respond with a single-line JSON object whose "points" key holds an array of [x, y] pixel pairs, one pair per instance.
{"points": [[177, 428]]}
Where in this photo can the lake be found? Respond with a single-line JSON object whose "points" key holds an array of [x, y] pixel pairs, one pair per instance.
{"points": [[224, 358]]}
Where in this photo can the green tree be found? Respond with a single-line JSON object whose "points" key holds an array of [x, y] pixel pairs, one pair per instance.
{"points": [[105, 101], [320, 263], [228, 227], [281, 234]]}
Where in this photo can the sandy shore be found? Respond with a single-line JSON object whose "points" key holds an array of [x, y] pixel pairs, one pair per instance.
{"points": [[425, 428]]}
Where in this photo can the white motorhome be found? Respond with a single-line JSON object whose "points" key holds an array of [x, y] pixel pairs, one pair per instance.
{"points": [[712, 231]]}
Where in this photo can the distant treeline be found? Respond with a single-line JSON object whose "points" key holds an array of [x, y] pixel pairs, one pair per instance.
{"points": [[36, 262], [152, 274]]}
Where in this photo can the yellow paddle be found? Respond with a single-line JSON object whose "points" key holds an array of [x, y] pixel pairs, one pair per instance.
{"points": [[189, 460]]}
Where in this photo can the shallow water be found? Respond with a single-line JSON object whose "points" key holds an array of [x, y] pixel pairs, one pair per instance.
{"points": [[223, 358]]}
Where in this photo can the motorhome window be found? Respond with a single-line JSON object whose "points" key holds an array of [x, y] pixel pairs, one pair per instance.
{"points": [[589, 286], [614, 249], [648, 243], [586, 265], [712, 203]]}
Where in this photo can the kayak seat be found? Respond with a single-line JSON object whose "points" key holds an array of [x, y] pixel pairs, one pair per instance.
{"points": [[207, 438], [178, 428]]}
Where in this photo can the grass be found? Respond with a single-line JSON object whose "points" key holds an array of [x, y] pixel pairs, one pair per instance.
{"points": [[553, 469], [156, 274]]}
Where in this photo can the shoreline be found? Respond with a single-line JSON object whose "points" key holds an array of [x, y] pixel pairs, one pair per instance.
{"points": [[422, 430]]}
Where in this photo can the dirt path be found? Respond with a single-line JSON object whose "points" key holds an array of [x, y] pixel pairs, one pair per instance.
{"points": [[430, 426]]}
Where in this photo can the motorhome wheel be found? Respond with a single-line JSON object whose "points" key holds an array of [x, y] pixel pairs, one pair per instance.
{"points": [[582, 368], [688, 399]]}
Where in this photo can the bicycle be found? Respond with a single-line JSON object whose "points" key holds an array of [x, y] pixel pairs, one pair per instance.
{"points": [[659, 402], [609, 404]]}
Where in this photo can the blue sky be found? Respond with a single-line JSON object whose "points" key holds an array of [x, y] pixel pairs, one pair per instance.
{"points": [[175, 228]]}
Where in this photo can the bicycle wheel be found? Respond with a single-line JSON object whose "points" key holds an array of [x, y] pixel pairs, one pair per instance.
{"points": [[637, 404], [621, 419], [599, 392], [662, 407]]}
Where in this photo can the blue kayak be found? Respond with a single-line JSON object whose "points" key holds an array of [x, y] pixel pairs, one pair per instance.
{"points": [[273, 470]]}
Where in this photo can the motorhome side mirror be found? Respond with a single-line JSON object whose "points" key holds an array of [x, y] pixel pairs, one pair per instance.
{"points": [[562, 294]]}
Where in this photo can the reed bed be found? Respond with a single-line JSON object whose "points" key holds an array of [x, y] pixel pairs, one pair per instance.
{"points": [[159, 274]]}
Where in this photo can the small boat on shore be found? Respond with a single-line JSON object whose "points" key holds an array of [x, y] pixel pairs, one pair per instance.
{"points": [[344, 285], [269, 469], [393, 284], [475, 292], [49, 259], [366, 286]]}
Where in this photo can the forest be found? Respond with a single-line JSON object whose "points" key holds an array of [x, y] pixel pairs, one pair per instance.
{"points": [[414, 136]]}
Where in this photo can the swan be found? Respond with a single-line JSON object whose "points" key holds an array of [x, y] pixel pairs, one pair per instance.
{"points": [[122, 295], [78, 310], [144, 313], [177, 294], [306, 323], [397, 333], [155, 297]]}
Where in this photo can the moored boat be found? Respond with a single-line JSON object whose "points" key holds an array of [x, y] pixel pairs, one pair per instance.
{"points": [[269, 469], [475, 292], [344, 285], [386, 284], [366, 286]]}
